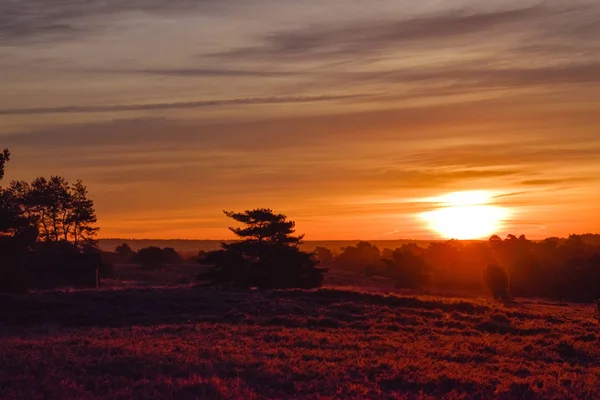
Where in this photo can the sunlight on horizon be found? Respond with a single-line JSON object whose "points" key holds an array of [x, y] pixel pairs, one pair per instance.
{"points": [[466, 215]]}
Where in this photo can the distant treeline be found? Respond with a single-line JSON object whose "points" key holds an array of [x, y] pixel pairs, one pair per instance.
{"points": [[188, 247], [562, 269]]}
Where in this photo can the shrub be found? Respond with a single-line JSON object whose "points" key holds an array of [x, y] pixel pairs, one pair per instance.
{"points": [[598, 310], [409, 270], [151, 257], [496, 280]]}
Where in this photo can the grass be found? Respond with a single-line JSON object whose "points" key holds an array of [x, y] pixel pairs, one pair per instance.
{"points": [[185, 343]]}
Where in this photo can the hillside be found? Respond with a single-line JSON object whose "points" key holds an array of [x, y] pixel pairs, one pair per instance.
{"points": [[185, 343]]}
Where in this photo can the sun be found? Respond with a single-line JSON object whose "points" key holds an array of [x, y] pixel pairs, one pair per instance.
{"points": [[466, 215]]}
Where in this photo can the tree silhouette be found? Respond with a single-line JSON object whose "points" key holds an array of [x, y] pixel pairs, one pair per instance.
{"points": [[408, 268], [324, 256], [124, 252], [363, 257], [496, 280], [4, 157], [267, 255], [171, 256], [151, 257], [263, 226], [17, 230], [81, 216], [61, 211], [18, 235]]}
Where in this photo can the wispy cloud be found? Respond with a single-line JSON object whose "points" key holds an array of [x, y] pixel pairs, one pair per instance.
{"points": [[205, 72], [178, 105], [69, 19], [552, 182], [437, 31]]}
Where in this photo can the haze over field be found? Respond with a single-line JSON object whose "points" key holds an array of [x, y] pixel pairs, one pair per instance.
{"points": [[351, 117]]}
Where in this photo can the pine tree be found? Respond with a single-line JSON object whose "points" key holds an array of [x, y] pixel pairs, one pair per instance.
{"points": [[266, 256]]}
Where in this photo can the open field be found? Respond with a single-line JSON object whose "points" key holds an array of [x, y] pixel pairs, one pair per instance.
{"points": [[186, 343]]}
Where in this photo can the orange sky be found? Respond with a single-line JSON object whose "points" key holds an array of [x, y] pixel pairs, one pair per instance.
{"points": [[341, 115]]}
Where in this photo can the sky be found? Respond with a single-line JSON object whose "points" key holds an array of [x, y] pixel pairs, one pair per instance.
{"points": [[349, 116]]}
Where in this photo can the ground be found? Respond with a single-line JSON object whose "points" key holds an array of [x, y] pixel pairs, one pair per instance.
{"points": [[183, 342]]}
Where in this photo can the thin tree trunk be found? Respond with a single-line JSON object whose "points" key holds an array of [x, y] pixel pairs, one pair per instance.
{"points": [[75, 233], [44, 226]]}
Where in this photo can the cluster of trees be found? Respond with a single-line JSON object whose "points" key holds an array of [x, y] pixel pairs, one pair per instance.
{"points": [[556, 268], [48, 215], [153, 257], [46, 210], [267, 255]]}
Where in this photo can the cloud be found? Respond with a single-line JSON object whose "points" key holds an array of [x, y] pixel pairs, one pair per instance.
{"points": [[551, 182], [205, 72], [525, 153], [423, 178], [177, 105], [472, 76], [465, 77], [373, 36], [540, 22], [66, 19]]}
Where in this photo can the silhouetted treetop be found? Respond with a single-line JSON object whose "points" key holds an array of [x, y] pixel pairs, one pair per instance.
{"points": [[61, 211], [267, 256], [124, 252], [4, 157], [151, 256], [264, 226]]}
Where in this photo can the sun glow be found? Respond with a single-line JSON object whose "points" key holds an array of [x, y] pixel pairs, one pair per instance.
{"points": [[466, 215]]}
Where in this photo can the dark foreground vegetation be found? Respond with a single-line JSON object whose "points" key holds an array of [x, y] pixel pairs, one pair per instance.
{"points": [[188, 343]]}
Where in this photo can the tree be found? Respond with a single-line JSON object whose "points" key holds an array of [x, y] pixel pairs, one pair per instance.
{"points": [[151, 257], [266, 256], [4, 157], [17, 236], [124, 252], [408, 268], [17, 230], [171, 256], [363, 257], [263, 226], [496, 280], [81, 216], [61, 211], [324, 256]]}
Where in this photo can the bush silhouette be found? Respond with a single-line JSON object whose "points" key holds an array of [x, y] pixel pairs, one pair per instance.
{"points": [[267, 256], [408, 269], [171, 256], [124, 253], [496, 280], [151, 257], [363, 257]]}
